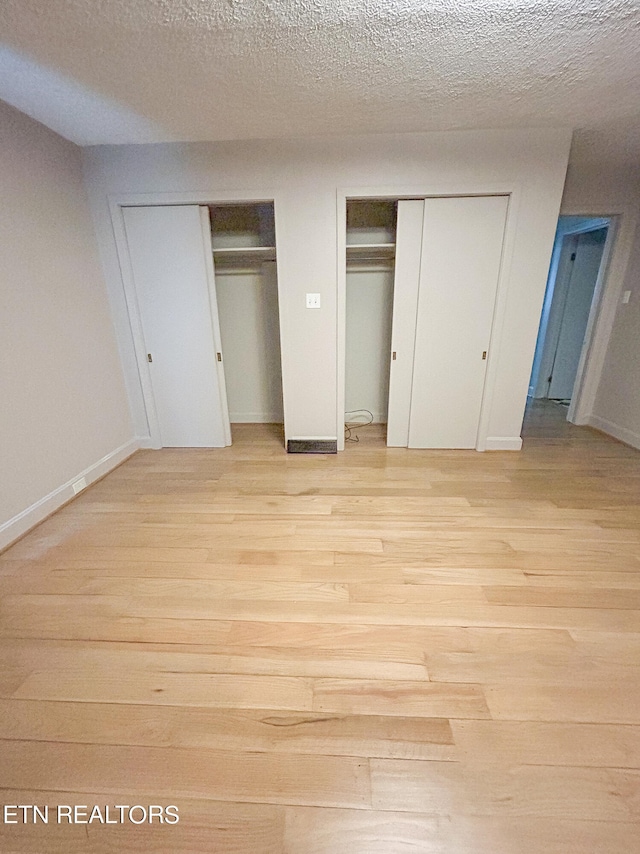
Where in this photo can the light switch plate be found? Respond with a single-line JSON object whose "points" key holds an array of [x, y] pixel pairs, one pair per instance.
{"points": [[626, 296], [313, 300]]}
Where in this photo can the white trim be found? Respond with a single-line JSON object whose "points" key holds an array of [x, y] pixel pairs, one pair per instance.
{"points": [[503, 443], [419, 191], [431, 189], [378, 418], [26, 520], [341, 314], [256, 417], [629, 437], [596, 224], [215, 197], [312, 438], [576, 405]]}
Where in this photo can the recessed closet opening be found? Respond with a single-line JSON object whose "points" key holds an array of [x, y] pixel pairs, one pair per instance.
{"points": [[419, 292], [202, 291], [245, 290], [370, 264]]}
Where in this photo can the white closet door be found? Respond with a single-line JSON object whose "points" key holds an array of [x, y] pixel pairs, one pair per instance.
{"points": [[461, 255], [169, 270], [409, 230], [207, 242]]}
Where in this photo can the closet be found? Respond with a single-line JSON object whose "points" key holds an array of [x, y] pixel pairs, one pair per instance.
{"points": [[246, 288], [369, 300], [443, 270], [204, 303]]}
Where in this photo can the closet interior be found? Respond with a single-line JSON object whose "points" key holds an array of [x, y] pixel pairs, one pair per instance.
{"points": [[246, 293], [370, 262]]}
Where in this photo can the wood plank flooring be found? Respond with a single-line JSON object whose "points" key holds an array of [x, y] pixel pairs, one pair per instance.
{"points": [[382, 652]]}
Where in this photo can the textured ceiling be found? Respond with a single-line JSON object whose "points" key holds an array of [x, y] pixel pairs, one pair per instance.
{"points": [[113, 71]]}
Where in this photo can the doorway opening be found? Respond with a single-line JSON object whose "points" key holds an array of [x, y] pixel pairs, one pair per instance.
{"points": [[370, 269], [572, 297], [245, 292]]}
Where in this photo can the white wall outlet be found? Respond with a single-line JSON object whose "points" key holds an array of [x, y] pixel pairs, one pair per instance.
{"points": [[313, 300], [626, 296], [79, 485]]}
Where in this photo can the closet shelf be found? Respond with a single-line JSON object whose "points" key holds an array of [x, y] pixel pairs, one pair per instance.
{"points": [[257, 253], [373, 251]]}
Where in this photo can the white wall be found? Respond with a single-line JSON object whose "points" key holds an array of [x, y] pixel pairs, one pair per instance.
{"points": [[248, 311], [305, 177], [64, 409], [612, 400], [368, 341]]}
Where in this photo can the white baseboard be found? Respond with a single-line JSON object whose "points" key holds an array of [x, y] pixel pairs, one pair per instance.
{"points": [[26, 520], [312, 438], [378, 418], [503, 443], [255, 418], [629, 437]]}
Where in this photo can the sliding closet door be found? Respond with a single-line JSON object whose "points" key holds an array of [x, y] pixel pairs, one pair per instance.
{"points": [[169, 269], [409, 230], [461, 254]]}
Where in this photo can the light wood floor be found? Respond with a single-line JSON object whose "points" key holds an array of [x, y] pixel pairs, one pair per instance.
{"points": [[382, 652]]}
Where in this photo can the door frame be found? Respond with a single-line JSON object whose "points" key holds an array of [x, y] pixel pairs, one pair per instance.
{"points": [[594, 312], [554, 326], [116, 204], [514, 192], [611, 278]]}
